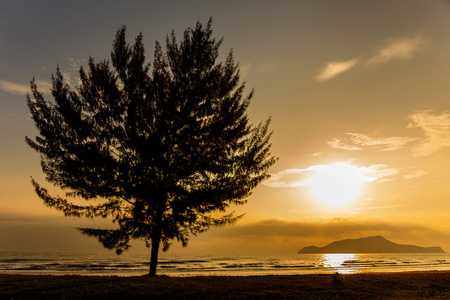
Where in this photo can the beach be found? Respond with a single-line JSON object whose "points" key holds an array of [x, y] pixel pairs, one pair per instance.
{"points": [[402, 285]]}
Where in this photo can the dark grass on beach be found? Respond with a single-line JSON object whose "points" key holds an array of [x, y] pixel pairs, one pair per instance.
{"points": [[410, 285]]}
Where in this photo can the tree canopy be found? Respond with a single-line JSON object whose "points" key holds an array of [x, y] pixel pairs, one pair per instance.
{"points": [[161, 149]]}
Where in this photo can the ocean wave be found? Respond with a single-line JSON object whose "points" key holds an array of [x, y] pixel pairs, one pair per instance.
{"points": [[178, 265]]}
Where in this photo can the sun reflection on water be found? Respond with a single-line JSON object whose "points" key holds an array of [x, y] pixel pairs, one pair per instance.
{"points": [[342, 263]]}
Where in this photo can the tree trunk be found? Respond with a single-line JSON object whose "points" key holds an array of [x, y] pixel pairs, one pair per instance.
{"points": [[154, 255], [156, 240]]}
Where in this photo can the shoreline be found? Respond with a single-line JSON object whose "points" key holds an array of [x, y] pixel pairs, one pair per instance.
{"points": [[394, 285]]}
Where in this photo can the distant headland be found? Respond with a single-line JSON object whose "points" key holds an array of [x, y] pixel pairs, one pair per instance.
{"points": [[372, 244]]}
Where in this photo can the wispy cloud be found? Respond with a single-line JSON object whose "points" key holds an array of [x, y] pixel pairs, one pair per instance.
{"points": [[289, 178], [301, 177], [378, 173], [416, 174], [405, 48], [384, 207], [401, 48], [343, 145], [359, 141], [333, 69], [22, 89], [436, 128], [436, 137], [70, 74]]}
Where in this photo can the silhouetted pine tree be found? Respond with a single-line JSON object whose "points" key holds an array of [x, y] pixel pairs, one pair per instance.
{"points": [[164, 149]]}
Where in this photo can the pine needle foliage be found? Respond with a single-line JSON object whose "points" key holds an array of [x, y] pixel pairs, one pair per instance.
{"points": [[166, 148]]}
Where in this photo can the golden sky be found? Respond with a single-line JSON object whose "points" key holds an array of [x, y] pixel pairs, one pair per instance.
{"points": [[358, 92]]}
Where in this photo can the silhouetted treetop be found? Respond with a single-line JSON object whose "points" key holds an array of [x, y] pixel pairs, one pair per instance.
{"points": [[164, 147]]}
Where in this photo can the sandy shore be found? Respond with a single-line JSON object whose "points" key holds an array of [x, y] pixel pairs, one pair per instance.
{"points": [[410, 285]]}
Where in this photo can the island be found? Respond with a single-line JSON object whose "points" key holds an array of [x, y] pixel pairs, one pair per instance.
{"points": [[372, 244]]}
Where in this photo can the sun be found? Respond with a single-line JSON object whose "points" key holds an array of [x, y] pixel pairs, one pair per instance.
{"points": [[336, 185]]}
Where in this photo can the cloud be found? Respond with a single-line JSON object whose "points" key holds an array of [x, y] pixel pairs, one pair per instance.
{"points": [[334, 228], [384, 207], [358, 140], [402, 48], [436, 128], [378, 173], [71, 76], [13, 88], [22, 89], [271, 236], [332, 69], [341, 144], [291, 178], [416, 174], [405, 48]]}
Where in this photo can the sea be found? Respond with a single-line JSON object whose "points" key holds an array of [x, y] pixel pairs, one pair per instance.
{"points": [[211, 265]]}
